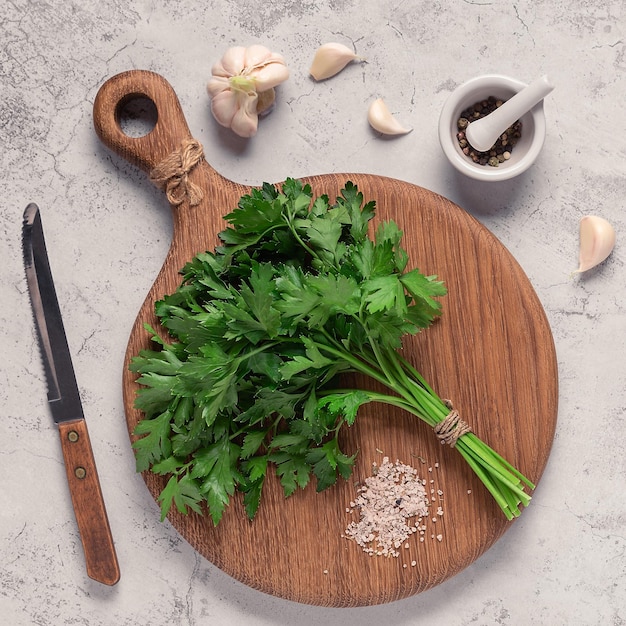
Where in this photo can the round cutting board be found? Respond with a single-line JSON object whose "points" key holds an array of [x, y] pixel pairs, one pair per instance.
{"points": [[491, 353]]}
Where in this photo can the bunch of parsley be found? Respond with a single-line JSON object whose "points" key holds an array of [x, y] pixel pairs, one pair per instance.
{"points": [[259, 330]]}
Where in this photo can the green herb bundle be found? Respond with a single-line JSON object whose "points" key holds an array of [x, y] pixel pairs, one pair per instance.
{"points": [[259, 330]]}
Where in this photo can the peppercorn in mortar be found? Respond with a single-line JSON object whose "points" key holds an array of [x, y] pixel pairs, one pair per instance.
{"points": [[501, 150]]}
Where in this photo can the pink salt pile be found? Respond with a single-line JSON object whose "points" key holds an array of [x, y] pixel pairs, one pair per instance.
{"points": [[390, 497]]}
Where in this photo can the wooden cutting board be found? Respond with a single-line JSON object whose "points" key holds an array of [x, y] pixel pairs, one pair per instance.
{"points": [[492, 353]]}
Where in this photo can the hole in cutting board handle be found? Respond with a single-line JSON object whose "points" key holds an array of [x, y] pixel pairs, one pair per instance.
{"points": [[137, 116], [155, 116]]}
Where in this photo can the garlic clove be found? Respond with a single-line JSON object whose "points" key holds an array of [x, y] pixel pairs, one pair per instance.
{"points": [[267, 68], [597, 240], [224, 107], [269, 76], [217, 85], [231, 63], [330, 59], [257, 55], [237, 113], [381, 119], [265, 102], [246, 120]]}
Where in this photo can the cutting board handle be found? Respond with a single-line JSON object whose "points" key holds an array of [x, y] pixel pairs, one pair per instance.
{"points": [[170, 130], [167, 136]]}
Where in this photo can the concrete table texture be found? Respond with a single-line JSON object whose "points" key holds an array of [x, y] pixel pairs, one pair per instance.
{"points": [[108, 230]]}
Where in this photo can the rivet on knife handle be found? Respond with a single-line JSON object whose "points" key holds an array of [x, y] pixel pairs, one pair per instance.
{"points": [[91, 516]]}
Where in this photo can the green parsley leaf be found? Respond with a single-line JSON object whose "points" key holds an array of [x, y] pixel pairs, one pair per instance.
{"points": [[154, 444], [184, 493], [385, 293], [344, 405], [218, 475]]}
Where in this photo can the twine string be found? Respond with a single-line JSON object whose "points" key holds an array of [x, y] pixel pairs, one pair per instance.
{"points": [[172, 173], [452, 427]]}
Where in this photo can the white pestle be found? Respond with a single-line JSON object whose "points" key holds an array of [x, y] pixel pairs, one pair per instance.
{"points": [[483, 133]]}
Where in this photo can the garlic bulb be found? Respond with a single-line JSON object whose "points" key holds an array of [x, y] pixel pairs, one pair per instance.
{"points": [[381, 119], [330, 59], [597, 240], [242, 86]]}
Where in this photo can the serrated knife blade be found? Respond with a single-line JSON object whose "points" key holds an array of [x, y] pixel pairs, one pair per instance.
{"points": [[66, 407]]}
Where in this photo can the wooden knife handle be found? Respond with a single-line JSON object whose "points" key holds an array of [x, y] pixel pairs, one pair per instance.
{"points": [[91, 515]]}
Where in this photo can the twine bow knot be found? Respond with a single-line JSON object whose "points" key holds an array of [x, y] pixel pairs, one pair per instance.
{"points": [[172, 173]]}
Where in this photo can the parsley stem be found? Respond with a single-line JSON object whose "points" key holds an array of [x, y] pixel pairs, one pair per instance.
{"points": [[357, 364], [486, 480], [294, 232], [415, 374], [384, 366], [479, 447]]}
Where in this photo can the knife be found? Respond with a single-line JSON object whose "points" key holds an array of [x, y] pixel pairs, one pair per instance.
{"points": [[66, 407]]}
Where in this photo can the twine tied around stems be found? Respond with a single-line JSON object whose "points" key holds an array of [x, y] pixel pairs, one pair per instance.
{"points": [[172, 173], [451, 427]]}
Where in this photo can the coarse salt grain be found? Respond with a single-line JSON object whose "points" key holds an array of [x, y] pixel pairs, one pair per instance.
{"points": [[391, 496]]}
